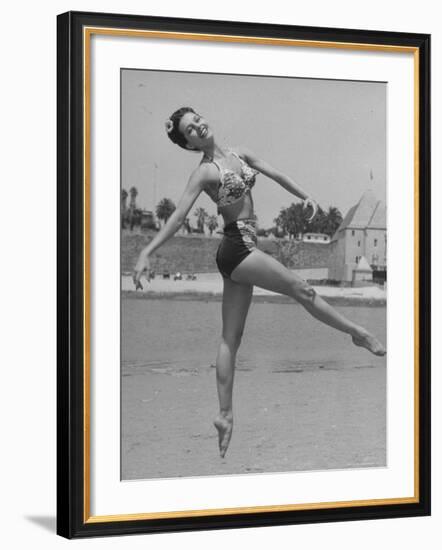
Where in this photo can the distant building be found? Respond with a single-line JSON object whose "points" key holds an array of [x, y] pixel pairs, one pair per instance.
{"points": [[147, 219], [362, 234], [319, 238]]}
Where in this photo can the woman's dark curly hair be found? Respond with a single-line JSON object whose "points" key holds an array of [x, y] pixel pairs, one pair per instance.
{"points": [[172, 127]]}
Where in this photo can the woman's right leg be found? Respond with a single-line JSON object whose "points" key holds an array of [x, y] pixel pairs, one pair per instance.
{"points": [[262, 270], [236, 302]]}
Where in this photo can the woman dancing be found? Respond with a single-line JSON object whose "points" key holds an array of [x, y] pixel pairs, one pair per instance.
{"points": [[228, 176]]}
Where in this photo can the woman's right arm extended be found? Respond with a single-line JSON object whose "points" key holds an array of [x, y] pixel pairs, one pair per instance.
{"points": [[191, 193]]}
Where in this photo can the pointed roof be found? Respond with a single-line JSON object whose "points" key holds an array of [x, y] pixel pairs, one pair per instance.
{"points": [[363, 265], [347, 219], [379, 217], [368, 212], [364, 211]]}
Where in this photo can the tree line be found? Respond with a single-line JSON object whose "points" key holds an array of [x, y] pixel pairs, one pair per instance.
{"points": [[291, 222], [132, 216], [166, 207], [294, 220]]}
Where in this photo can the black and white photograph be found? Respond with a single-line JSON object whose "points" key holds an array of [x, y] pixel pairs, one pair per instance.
{"points": [[253, 253], [217, 292], [243, 274]]}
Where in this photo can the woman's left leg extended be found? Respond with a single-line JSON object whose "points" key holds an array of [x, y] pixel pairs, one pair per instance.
{"points": [[262, 270]]}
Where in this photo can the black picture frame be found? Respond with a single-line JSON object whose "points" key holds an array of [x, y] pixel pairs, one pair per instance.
{"points": [[73, 518]]}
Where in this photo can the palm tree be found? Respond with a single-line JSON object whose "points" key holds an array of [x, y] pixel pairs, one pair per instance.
{"points": [[201, 217], [133, 192], [292, 220], [124, 196], [316, 225], [164, 209], [333, 219], [212, 224]]}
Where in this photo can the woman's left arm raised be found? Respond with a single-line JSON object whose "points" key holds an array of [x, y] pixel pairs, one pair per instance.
{"points": [[284, 181]]}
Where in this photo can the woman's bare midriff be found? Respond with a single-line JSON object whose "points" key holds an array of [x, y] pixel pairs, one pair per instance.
{"points": [[239, 210]]}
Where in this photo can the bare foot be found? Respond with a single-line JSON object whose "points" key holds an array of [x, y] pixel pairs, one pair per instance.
{"points": [[224, 425], [370, 342]]}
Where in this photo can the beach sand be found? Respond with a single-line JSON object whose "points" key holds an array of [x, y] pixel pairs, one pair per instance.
{"points": [[305, 398], [211, 285]]}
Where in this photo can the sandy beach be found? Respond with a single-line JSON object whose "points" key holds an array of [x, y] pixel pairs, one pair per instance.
{"points": [[210, 285], [305, 398]]}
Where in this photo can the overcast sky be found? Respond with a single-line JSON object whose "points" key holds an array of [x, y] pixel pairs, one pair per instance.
{"points": [[329, 136]]}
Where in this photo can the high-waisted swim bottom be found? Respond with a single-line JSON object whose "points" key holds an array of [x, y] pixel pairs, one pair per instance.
{"points": [[238, 242]]}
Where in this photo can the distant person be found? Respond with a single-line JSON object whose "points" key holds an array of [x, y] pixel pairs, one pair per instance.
{"points": [[228, 175]]}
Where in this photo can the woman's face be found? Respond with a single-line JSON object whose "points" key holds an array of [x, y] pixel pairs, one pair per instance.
{"points": [[196, 130]]}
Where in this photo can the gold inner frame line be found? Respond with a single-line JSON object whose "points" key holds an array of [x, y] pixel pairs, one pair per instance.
{"points": [[207, 37], [87, 33]]}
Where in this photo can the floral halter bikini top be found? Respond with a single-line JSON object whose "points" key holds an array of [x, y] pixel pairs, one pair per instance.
{"points": [[233, 186]]}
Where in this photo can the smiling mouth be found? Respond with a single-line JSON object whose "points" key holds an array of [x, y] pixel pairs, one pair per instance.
{"points": [[203, 132]]}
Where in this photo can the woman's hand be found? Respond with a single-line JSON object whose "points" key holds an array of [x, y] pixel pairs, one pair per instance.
{"points": [[314, 205], [142, 267]]}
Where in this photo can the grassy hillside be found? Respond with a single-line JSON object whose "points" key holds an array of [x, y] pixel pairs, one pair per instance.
{"points": [[196, 254]]}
